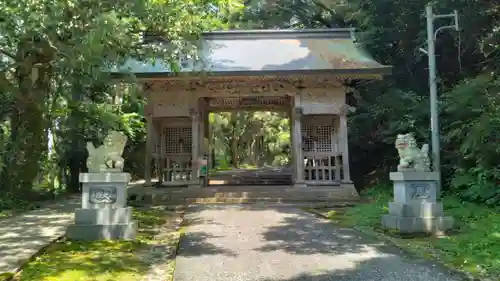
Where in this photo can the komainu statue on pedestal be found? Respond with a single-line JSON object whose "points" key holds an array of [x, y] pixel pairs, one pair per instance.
{"points": [[411, 158], [108, 156]]}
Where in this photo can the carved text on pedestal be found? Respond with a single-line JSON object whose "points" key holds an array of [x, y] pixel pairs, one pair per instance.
{"points": [[102, 194], [420, 191]]}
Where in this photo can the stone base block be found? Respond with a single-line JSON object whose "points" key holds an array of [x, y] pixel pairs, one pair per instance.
{"points": [[416, 209], [417, 224], [105, 216], [299, 185], [349, 188], [89, 232]]}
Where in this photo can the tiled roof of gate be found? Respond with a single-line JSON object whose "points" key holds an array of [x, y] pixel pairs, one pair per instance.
{"points": [[267, 52]]}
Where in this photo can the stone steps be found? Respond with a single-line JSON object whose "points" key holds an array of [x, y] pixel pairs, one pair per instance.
{"points": [[215, 200], [261, 176], [249, 194], [252, 181]]}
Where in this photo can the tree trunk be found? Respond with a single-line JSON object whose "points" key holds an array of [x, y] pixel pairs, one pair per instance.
{"points": [[234, 152], [27, 140]]}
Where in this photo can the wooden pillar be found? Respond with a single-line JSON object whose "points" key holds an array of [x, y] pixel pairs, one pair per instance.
{"points": [[292, 141], [344, 145], [159, 150], [203, 135], [337, 153], [195, 131], [298, 157], [210, 143], [203, 126], [149, 149]]}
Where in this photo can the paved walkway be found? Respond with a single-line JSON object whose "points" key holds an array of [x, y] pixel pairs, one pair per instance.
{"points": [[23, 235], [244, 243]]}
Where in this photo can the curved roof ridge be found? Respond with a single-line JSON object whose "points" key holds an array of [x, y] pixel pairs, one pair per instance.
{"points": [[280, 33]]}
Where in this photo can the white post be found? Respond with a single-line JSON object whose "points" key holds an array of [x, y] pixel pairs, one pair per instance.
{"points": [[195, 131], [149, 149], [431, 37], [344, 144], [433, 93], [159, 147], [297, 144], [293, 155]]}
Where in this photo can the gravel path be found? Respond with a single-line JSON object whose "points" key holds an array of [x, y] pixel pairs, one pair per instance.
{"points": [[247, 243]]}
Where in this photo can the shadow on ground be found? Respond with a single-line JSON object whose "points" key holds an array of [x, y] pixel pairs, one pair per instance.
{"points": [[196, 244], [369, 270], [110, 260], [304, 235], [271, 243], [22, 236]]}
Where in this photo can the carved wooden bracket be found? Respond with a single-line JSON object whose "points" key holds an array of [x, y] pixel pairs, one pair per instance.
{"points": [[297, 113], [147, 86], [345, 109], [192, 112], [299, 110]]}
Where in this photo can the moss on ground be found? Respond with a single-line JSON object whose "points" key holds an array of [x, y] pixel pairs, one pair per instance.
{"points": [[104, 260], [472, 247]]}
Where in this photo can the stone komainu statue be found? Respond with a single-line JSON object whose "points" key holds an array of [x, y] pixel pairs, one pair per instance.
{"points": [[411, 158], [108, 156]]}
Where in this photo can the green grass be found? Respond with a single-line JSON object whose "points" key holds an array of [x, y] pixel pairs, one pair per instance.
{"points": [[101, 260], [473, 246]]}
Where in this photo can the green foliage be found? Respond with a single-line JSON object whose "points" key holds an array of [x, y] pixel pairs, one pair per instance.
{"points": [[472, 247], [393, 32], [252, 138], [54, 95], [134, 126], [476, 172], [53, 90], [9, 205]]}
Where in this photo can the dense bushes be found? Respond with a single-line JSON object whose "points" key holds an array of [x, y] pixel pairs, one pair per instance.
{"points": [[472, 135]]}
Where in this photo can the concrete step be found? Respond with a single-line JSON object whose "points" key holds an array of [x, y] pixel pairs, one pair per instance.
{"points": [[248, 194], [255, 194], [251, 181], [213, 200], [249, 188], [260, 176], [252, 197]]}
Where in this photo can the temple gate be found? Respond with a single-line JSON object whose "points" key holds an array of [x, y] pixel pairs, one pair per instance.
{"points": [[300, 72]]}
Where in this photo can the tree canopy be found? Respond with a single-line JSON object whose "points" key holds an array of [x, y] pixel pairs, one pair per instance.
{"points": [[55, 97]]}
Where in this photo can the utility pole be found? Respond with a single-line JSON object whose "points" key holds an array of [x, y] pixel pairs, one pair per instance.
{"points": [[431, 39]]}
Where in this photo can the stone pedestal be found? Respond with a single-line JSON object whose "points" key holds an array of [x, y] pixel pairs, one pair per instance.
{"points": [[104, 214], [415, 208]]}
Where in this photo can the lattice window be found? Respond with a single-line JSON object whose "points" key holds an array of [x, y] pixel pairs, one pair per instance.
{"points": [[317, 138], [178, 140], [307, 140], [324, 134]]}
